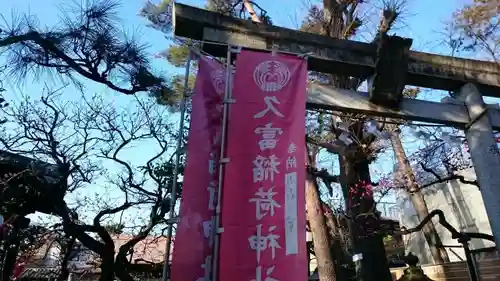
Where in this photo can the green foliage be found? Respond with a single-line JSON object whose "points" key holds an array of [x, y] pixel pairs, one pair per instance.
{"points": [[414, 273], [225, 7], [236, 9], [317, 20], [165, 171], [411, 93], [177, 55], [172, 96], [3, 102], [115, 228], [387, 239], [160, 18]]}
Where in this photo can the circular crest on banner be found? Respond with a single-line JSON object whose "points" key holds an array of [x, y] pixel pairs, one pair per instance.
{"points": [[219, 81], [271, 76]]}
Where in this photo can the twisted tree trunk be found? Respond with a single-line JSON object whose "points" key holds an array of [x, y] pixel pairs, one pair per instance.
{"points": [[374, 265], [11, 248], [336, 243], [67, 250], [120, 268], [105, 249], [319, 230], [438, 252]]}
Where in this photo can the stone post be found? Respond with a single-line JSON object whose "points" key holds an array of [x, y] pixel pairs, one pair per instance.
{"points": [[484, 154]]}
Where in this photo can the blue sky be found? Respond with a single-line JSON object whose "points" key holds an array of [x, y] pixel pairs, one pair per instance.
{"points": [[423, 21]]}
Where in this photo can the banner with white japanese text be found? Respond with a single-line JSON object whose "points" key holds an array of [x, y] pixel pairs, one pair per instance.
{"points": [[263, 200], [192, 251]]}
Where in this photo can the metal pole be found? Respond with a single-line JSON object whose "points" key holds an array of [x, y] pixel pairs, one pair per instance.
{"points": [[222, 162], [471, 266], [484, 154], [173, 196]]}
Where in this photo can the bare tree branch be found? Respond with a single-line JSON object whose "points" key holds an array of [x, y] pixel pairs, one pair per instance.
{"points": [[440, 179]]}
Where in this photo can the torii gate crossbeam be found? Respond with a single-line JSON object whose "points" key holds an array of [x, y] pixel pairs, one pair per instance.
{"points": [[452, 114], [329, 55]]}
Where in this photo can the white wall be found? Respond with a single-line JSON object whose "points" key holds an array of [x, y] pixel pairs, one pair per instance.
{"points": [[52, 257], [463, 207]]}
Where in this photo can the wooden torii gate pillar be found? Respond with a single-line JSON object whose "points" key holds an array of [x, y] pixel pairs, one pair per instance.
{"points": [[470, 78]]}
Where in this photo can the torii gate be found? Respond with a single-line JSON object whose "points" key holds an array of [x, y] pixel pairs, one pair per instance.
{"points": [[388, 66]]}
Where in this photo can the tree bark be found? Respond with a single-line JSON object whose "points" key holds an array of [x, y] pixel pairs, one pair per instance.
{"points": [[251, 11], [11, 244], [336, 243], [374, 266], [67, 249], [319, 230], [438, 252], [121, 266], [10, 258], [105, 249], [107, 267]]}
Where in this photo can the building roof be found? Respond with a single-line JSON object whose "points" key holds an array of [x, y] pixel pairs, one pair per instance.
{"points": [[40, 273], [149, 250]]}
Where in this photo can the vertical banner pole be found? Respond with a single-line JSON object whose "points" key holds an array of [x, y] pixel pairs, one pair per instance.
{"points": [[173, 195], [263, 200], [216, 226]]}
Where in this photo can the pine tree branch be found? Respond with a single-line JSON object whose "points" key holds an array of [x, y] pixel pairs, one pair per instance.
{"points": [[49, 46]]}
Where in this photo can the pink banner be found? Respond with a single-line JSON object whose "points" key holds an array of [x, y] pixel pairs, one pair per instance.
{"points": [[263, 204], [192, 251]]}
